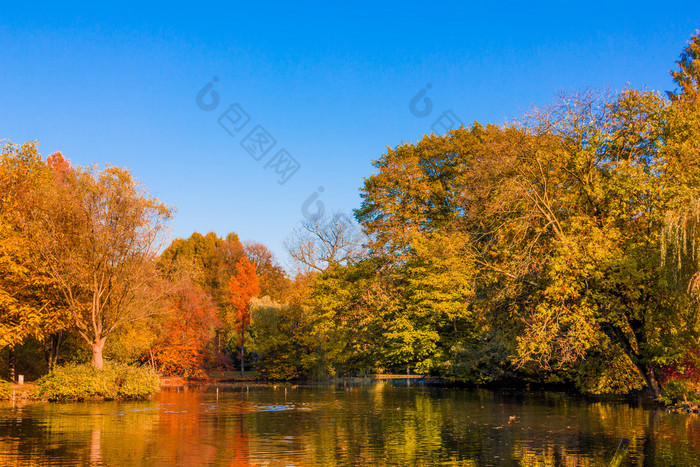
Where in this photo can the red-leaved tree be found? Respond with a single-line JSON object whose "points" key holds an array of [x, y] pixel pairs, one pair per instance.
{"points": [[242, 288], [188, 332]]}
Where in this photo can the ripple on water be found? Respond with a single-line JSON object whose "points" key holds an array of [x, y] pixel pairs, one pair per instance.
{"points": [[371, 425]]}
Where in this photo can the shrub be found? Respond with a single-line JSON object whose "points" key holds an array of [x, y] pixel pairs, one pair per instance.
{"points": [[676, 391], [4, 390], [115, 381], [138, 382]]}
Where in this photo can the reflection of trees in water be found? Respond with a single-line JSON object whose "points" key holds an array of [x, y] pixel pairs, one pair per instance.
{"points": [[573, 432], [182, 437], [96, 447], [673, 439], [407, 426], [240, 455], [176, 429], [197, 429], [21, 436], [338, 425], [81, 433]]}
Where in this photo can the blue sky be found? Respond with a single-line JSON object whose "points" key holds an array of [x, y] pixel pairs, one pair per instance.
{"points": [[330, 83]]}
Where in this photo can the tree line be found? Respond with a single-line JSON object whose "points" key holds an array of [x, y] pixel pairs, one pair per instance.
{"points": [[559, 248]]}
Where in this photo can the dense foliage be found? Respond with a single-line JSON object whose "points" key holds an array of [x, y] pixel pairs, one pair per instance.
{"points": [[114, 381], [560, 248], [185, 336], [31, 305]]}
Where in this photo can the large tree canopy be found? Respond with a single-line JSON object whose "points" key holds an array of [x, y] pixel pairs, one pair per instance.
{"points": [[30, 302], [557, 230], [98, 232]]}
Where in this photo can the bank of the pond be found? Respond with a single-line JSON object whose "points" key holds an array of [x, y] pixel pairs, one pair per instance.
{"points": [[20, 392], [672, 402], [224, 377], [123, 382], [686, 408], [175, 381]]}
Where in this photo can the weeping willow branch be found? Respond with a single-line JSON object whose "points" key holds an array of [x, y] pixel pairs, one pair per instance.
{"points": [[679, 243]]}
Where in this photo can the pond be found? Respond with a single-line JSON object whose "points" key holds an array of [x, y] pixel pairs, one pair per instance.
{"points": [[394, 423]]}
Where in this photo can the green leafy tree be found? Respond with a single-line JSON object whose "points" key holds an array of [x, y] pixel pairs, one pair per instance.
{"points": [[282, 335], [349, 305], [558, 223]]}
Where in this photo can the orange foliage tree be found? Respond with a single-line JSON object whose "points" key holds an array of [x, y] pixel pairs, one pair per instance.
{"points": [[31, 304], [188, 332], [273, 280], [242, 288], [98, 233]]}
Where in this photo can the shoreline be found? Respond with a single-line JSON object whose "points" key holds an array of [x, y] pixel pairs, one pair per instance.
{"points": [[22, 392], [26, 392], [175, 381]]}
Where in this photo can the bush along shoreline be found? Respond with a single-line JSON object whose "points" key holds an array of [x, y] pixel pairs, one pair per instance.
{"points": [[117, 381], [80, 382], [5, 392]]}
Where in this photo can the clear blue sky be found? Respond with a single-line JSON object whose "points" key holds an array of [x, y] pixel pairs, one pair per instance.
{"points": [[330, 83]]}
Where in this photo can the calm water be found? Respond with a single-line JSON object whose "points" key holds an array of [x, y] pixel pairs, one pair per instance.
{"points": [[371, 424]]}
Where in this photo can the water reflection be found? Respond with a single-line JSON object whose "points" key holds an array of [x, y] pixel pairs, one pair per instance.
{"points": [[371, 424]]}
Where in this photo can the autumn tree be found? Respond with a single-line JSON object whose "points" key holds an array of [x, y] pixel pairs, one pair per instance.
{"points": [[30, 302], [599, 189], [99, 232], [213, 257], [242, 288], [187, 332], [682, 223], [687, 76], [322, 241], [272, 277], [427, 255], [560, 220], [211, 261]]}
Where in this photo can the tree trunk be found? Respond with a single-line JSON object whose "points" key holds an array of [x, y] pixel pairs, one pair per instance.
{"points": [[97, 346], [647, 372], [652, 383], [649, 376], [12, 364], [242, 361], [54, 348]]}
